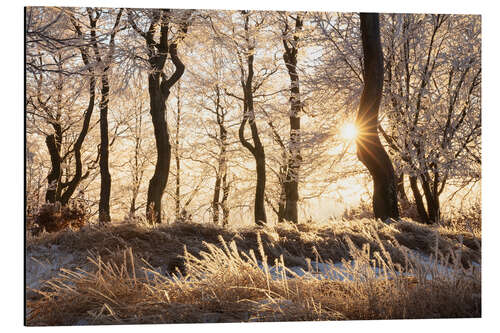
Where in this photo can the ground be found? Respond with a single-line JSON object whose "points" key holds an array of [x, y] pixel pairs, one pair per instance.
{"points": [[188, 272]]}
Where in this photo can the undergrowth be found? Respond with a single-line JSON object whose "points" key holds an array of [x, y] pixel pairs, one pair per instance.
{"points": [[183, 273]]}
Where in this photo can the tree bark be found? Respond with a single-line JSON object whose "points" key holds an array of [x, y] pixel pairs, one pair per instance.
{"points": [[163, 149], [78, 176], [260, 161], [403, 198], [282, 199], [159, 90], [418, 199], [136, 172], [177, 156], [104, 198], [291, 182], [105, 194], [431, 199], [53, 143], [221, 173], [223, 203], [257, 149], [215, 200], [369, 148]]}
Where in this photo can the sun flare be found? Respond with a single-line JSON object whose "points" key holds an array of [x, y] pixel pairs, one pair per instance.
{"points": [[349, 132]]}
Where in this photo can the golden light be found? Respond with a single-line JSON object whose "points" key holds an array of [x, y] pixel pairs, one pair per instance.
{"points": [[349, 131]]}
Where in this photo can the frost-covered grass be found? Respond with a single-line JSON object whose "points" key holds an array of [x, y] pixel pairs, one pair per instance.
{"points": [[359, 269]]}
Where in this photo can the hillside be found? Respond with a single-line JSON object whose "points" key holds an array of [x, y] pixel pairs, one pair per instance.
{"points": [[189, 272]]}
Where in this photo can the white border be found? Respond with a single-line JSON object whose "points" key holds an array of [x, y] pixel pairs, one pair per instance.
{"points": [[12, 159]]}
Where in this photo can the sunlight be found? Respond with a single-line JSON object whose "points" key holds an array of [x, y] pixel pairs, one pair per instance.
{"points": [[349, 132]]}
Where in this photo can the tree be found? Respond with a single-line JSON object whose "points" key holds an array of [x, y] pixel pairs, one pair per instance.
{"points": [[255, 79], [104, 64], [291, 181], [53, 68], [257, 149], [433, 94], [159, 89], [369, 148], [215, 110]]}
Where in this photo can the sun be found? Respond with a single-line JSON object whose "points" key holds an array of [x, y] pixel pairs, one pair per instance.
{"points": [[349, 132]]}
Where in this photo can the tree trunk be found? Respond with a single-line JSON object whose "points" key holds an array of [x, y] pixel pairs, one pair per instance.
{"points": [[260, 162], [418, 200], [159, 90], [104, 198], [78, 176], [291, 183], [177, 156], [104, 211], [163, 150], [369, 148], [431, 199], [282, 200], [403, 198], [215, 200], [53, 143], [223, 203], [257, 149], [137, 174], [132, 209]]}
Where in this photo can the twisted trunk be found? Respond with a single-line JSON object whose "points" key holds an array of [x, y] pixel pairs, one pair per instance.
{"points": [[369, 148], [163, 149], [53, 143], [159, 90]]}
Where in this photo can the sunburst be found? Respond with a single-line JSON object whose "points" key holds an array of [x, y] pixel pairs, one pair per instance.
{"points": [[349, 132]]}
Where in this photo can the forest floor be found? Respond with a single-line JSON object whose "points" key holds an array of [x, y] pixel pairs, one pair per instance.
{"points": [[194, 273]]}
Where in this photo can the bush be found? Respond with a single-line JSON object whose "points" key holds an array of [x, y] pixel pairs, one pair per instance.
{"points": [[53, 217], [464, 219]]}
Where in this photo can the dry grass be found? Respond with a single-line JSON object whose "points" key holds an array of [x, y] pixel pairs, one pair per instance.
{"points": [[468, 219], [219, 279], [457, 218], [162, 246]]}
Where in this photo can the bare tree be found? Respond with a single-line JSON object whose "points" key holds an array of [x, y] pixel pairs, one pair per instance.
{"points": [[291, 181], [257, 149], [103, 61], [159, 90], [369, 148], [56, 106], [437, 102]]}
